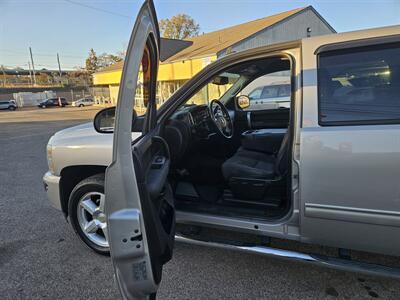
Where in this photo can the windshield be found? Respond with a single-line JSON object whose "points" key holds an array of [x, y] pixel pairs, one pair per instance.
{"points": [[216, 88]]}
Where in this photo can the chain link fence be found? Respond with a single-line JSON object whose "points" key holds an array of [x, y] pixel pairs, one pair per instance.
{"points": [[30, 96]]}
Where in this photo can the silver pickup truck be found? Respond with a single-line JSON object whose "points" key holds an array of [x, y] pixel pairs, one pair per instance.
{"points": [[77, 159], [213, 172]]}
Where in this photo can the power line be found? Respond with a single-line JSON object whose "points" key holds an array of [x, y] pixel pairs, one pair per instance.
{"points": [[99, 9], [12, 51], [12, 65], [18, 53]]}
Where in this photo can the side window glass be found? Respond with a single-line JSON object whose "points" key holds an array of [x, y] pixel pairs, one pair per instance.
{"points": [[284, 91], [143, 85], [359, 86], [255, 94], [270, 91], [143, 94]]}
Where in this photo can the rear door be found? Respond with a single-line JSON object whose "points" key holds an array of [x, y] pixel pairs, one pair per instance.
{"points": [[139, 206], [350, 149]]}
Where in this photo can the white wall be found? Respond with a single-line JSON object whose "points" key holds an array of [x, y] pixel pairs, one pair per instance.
{"points": [[32, 99], [293, 28]]}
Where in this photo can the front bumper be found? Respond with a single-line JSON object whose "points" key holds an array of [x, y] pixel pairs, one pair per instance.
{"points": [[52, 186]]}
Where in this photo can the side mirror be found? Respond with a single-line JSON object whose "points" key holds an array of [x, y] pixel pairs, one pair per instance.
{"points": [[243, 101], [104, 120]]}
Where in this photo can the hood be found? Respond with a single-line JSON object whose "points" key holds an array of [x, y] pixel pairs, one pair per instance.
{"points": [[84, 135], [80, 134], [82, 145], [86, 129]]}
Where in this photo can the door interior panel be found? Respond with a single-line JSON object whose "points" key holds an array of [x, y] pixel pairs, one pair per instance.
{"points": [[261, 119], [263, 140], [271, 118], [152, 162]]}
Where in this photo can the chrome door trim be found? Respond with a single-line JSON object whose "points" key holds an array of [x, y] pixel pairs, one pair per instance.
{"points": [[352, 214]]}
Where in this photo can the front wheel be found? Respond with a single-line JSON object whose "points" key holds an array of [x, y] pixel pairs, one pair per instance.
{"points": [[12, 108], [86, 213], [81, 105]]}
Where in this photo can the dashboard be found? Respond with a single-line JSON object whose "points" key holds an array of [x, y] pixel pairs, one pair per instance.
{"points": [[197, 117], [194, 127], [187, 126]]}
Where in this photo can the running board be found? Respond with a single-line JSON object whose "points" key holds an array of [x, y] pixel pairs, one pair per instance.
{"points": [[315, 259]]}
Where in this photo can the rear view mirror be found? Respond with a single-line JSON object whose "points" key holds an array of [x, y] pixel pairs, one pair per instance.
{"points": [[220, 80], [104, 120], [243, 101]]}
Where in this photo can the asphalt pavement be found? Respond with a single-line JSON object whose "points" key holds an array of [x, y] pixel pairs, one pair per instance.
{"points": [[40, 256], [35, 114]]}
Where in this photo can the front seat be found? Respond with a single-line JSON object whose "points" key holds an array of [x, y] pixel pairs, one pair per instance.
{"points": [[246, 165], [253, 175]]}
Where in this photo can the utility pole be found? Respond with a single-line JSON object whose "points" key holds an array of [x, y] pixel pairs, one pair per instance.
{"points": [[33, 66], [59, 66], [30, 72]]}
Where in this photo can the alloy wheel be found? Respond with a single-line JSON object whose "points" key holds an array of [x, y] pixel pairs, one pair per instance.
{"points": [[91, 218]]}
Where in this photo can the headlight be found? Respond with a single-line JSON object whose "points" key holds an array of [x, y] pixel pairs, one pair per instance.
{"points": [[50, 161]]}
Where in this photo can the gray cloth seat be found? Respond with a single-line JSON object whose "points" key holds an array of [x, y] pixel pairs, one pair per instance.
{"points": [[250, 164]]}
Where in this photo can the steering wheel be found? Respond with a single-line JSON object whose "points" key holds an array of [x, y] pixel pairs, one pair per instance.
{"points": [[221, 118]]}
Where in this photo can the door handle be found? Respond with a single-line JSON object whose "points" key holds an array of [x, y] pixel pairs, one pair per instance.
{"points": [[158, 162], [248, 115], [159, 140]]}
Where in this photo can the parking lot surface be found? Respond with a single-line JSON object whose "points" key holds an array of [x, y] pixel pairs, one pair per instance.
{"points": [[35, 114], [40, 256]]}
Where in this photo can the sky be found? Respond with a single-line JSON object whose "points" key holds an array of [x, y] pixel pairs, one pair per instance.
{"points": [[72, 27]]}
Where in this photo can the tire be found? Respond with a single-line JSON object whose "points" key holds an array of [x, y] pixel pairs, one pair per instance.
{"points": [[89, 191], [43, 106], [12, 108], [81, 105]]}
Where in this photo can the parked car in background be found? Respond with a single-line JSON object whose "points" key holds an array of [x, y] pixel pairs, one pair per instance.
{"points": [[53, 102], [8, 104], [83, 102], [270, 97]]}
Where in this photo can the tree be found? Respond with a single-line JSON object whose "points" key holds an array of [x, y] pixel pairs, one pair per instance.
{"points": [[95, 63], [92, 62], [180, 26], [122, 53], [106, 60]]}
